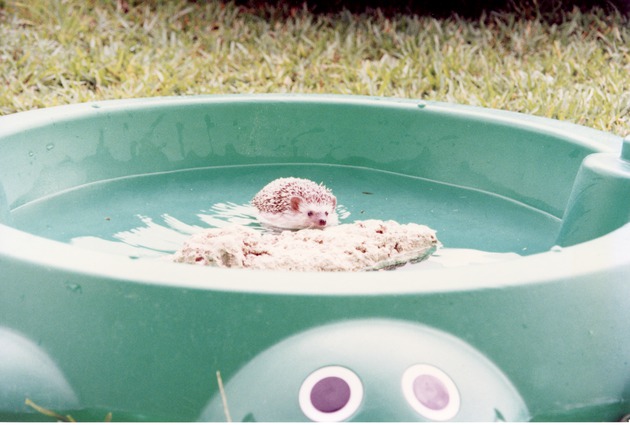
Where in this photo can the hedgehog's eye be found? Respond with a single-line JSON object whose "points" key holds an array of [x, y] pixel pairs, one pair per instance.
{"points": [[326, 213], [431, 392], [331, 394], [310, 213]]}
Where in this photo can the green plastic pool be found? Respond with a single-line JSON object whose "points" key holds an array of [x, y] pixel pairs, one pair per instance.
{"points": [[522, 314]]}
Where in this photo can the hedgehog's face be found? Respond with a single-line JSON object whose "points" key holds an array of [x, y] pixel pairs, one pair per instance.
{"points": [[315, 215], [318, 216]]}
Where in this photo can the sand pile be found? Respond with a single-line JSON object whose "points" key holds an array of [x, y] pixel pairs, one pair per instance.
{"points": [[362, 245]]}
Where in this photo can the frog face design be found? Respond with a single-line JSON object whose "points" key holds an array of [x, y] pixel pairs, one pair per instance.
{"points": [[369, 370]]}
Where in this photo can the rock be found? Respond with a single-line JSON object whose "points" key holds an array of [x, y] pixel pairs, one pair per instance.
{"points": [[359, 246]]}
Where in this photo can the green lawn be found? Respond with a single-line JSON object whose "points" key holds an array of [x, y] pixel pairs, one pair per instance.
{"points": [[574, 67]]}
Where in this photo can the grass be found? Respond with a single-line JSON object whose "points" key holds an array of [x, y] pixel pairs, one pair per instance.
{"points": [[573, 67]]}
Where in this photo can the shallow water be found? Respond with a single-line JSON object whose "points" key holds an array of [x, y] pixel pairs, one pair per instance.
{"points": [[149, 216]]}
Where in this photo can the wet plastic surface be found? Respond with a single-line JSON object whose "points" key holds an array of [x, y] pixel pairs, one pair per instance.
{"points": [[87, 189]]}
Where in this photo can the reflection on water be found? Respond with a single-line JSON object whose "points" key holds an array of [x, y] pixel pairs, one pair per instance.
{"points": [[156, 240], [458, 257]]}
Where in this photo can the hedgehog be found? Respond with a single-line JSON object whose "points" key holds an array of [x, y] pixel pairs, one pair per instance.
{"points": [[294, 203]]}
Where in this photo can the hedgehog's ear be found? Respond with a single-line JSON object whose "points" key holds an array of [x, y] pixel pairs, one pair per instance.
{"points": [[295, 203], [334, 202]]}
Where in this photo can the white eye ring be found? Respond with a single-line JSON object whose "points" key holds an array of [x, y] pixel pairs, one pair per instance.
{"points": [[441, 400], [345, 409]]}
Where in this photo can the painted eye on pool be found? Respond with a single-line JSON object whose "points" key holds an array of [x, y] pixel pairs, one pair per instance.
{"points": [[431, 392], [331, 394]]}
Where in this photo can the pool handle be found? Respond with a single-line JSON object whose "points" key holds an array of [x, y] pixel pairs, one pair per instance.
{"points": [[600, 199]]}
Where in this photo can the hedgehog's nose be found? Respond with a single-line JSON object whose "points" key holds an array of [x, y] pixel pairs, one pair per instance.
{"points": [[322, 222]]}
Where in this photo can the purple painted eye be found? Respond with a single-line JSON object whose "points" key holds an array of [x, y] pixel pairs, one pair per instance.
{"points": [[431, 392], [331, 394], [310, 213]]}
